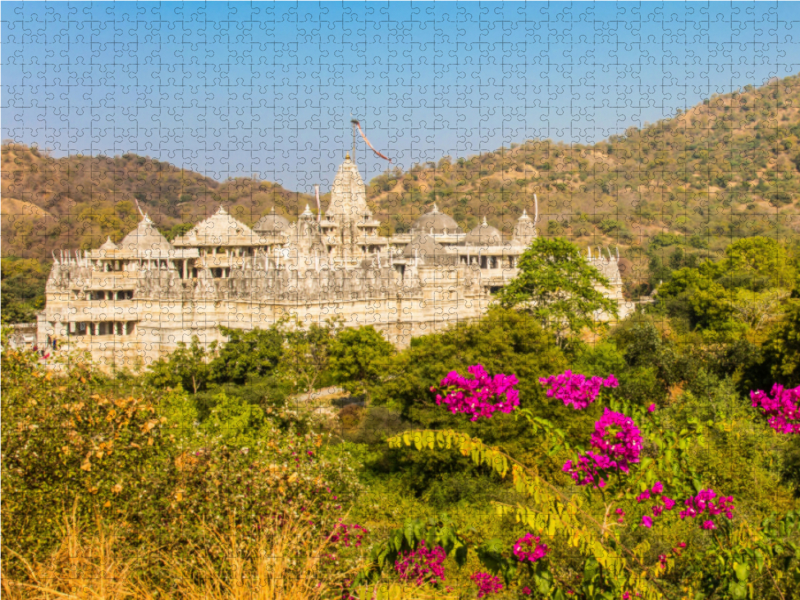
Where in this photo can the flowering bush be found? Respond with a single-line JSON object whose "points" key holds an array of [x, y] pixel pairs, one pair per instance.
{"points": [[575, 389], [782, 408], [529, 549], [661, 504], [703, 503], [615, 464], [487, 584], [480, 396], [423, 565], [625, 444]]}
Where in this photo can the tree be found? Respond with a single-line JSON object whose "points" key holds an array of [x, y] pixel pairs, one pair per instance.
{"points": [[246, 353], [306, 354], [558, 286], [187, 366], [356, 356]]}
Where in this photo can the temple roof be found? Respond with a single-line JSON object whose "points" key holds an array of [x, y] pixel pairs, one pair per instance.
{"points": [[108, 245], [436, 222], [484, 235], [426, 249], [220, 229], [271, 223], [145, 238]]}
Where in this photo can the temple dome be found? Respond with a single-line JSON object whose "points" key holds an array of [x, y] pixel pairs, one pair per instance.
{"points": [[436, 222], [220, 229], [484, 235], [271, 223], [425, 248], [145, 237], [109, 245]]}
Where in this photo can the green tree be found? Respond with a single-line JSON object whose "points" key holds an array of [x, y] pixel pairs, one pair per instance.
{"points": [[23, 283], [558, 286], [759, 262], [187, 366], [306, 355], [356, 358], [246, 354]]}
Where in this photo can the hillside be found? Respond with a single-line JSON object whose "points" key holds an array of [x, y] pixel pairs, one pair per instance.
{"points": [[726, 168], [75, 202]]}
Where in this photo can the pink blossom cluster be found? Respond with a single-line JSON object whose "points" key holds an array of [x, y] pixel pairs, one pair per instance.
{"points": [[422, 565], [618, 443], [480, 396], [625, 443], [528, 548], [347, 534], [704, 502], [588, 468], [487, 584], [661, 504], [782, 408], [576, 389]]}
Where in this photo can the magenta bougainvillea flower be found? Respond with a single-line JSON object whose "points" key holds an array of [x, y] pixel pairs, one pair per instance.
{"points": [[480, 396], [661, 502], [617, 442], [528, 548], [575, 389], [487, 584], [707, 503], [782, 408], [617, 436], [423, 565]]}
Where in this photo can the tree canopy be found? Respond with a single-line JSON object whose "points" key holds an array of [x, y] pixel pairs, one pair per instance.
{"points": [[558, 286]]}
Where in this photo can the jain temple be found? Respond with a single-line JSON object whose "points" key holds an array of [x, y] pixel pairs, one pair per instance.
{"points": [[131, 303]]}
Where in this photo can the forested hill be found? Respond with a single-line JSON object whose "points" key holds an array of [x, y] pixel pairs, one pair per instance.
{"points": [[726, 168], [75, 202]]}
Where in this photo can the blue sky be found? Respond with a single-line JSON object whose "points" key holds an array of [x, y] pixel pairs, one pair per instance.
{"points": [[231, 89]]}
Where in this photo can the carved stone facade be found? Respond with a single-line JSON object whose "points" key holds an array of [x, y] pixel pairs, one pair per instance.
{"points": [[132, 303]]}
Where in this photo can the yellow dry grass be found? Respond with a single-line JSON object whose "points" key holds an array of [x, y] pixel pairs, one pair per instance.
{"points": [[285, 563]]}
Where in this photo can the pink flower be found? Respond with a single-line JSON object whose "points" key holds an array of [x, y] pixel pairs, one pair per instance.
{"points": [[651, 408], [782, 408], [708, 525], [487, 584], [480, 396], [647, 521], [658, 487], [575, 389], [524, 548], [669, 503]]}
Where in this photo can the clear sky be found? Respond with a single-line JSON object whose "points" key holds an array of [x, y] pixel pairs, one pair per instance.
{"points": [[232, 89]]}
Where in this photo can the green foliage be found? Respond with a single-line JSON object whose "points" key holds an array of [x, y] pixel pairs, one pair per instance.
{"points": [[305, 362], [23, 283], [245, 354], [357, 357], [150, 466], [186, 366], [558, 286]]}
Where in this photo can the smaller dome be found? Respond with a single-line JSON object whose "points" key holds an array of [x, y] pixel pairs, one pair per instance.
{"points": [[425, 248], [436, 222], [109, 245], [271, 223], [484, 235]]}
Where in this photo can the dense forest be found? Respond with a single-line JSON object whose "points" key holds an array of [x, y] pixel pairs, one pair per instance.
{"points": [[531, 454], [682, 187]]}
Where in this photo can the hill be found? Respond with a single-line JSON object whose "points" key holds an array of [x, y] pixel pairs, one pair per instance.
{"points": [[75, 202], [724, 169]]}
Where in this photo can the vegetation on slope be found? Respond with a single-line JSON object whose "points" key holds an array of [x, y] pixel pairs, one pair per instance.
{"points": [[178, 482]]}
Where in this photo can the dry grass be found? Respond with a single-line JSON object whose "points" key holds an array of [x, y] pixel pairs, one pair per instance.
{"points": [[281, 563]]}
